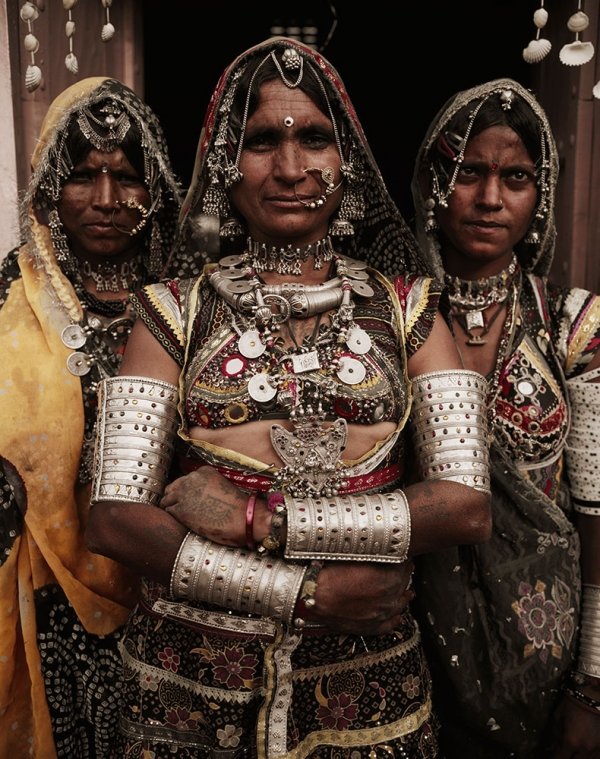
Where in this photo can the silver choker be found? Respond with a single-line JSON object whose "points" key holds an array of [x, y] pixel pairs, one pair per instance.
{"points": [[287, 260], [241, 289], [478, 294]]}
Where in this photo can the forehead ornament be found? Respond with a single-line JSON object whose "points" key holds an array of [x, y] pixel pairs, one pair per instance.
{"points": [[292, 62], [108, 131], [288, 121], [506, 99]]}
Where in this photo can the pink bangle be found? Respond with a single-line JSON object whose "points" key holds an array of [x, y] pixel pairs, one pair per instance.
{"points": [[250, 542], [274, 500]]}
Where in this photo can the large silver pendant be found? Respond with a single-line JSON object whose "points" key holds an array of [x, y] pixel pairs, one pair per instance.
{"points": [[311, 453], [474, 319]]}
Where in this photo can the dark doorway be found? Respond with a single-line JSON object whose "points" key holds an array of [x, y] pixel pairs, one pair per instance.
{"points": [[399, 61]]}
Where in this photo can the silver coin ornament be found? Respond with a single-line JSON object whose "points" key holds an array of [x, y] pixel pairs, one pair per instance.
{"points": [[229, 261], [239, 287], [362, 288], [78, 364], [73, 336]]}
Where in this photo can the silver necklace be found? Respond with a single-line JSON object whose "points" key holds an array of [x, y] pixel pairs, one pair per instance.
{"points": [[288, 259]]}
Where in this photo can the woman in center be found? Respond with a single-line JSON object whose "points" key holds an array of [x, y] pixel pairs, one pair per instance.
{"points": [[325, 433]]}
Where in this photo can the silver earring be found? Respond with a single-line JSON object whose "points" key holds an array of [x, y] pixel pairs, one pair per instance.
{"points": [[431, 224]]}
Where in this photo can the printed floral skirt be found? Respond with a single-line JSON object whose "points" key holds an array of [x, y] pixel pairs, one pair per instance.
{"points": [[203, 683]]}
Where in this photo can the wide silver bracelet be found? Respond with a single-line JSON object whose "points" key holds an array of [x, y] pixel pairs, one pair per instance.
{"points": [[135, 433], [362, 527], [450, 429], [236, 578], [588, 662], [582, 451]]}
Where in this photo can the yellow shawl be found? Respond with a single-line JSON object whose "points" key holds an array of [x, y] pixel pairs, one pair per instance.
{"points": [[41, 434]]}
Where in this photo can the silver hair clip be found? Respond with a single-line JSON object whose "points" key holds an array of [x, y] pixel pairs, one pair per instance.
{"points": [[506, 99], [291, 59]]}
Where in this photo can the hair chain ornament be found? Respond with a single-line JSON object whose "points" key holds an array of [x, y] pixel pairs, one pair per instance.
{"points": [[107, 133], [327, 175], [144, 213]]}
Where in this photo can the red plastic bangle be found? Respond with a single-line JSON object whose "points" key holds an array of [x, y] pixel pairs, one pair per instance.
{"points": [[250, 542]]}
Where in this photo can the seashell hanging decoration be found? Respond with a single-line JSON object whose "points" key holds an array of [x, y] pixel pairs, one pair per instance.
{"points": [[578, 52], [33, 75], [539, 47], [70, 59], [536, 50], [71, 63], [596, 90], [578, 22], [108, 30]]}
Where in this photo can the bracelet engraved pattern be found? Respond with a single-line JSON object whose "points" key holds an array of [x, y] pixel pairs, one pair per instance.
{"points": [[588, 662], [363, 527], [582, 451], [450, 429], [135, 431], [235, 578]]}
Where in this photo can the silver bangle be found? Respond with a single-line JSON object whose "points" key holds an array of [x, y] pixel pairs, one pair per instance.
{"points": [[236, 579], [362, 527], [135, 431], [582, 451], [450, 429], [588, 662]]}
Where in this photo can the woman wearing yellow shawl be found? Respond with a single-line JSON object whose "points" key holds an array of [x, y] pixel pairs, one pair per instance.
{"points": [[98, 220]]}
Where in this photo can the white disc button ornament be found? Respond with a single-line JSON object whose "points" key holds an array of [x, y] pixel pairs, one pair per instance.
{"points": [[358, 341], [351, 371], [250, 344], [260, 389]]}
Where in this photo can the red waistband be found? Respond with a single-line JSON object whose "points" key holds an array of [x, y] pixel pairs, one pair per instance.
{"points": [[262, 484]]}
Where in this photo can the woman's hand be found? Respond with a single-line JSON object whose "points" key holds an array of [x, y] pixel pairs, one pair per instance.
{"points": [[208, 504], [361, 598]]}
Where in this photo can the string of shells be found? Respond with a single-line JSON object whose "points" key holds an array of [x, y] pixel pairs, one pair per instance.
{"points": [[578, 52], [30, 12], [33, 75], [575, 53], [539, 47]]}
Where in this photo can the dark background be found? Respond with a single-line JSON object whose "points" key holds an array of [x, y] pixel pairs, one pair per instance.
{"points": [[399, 62]]}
